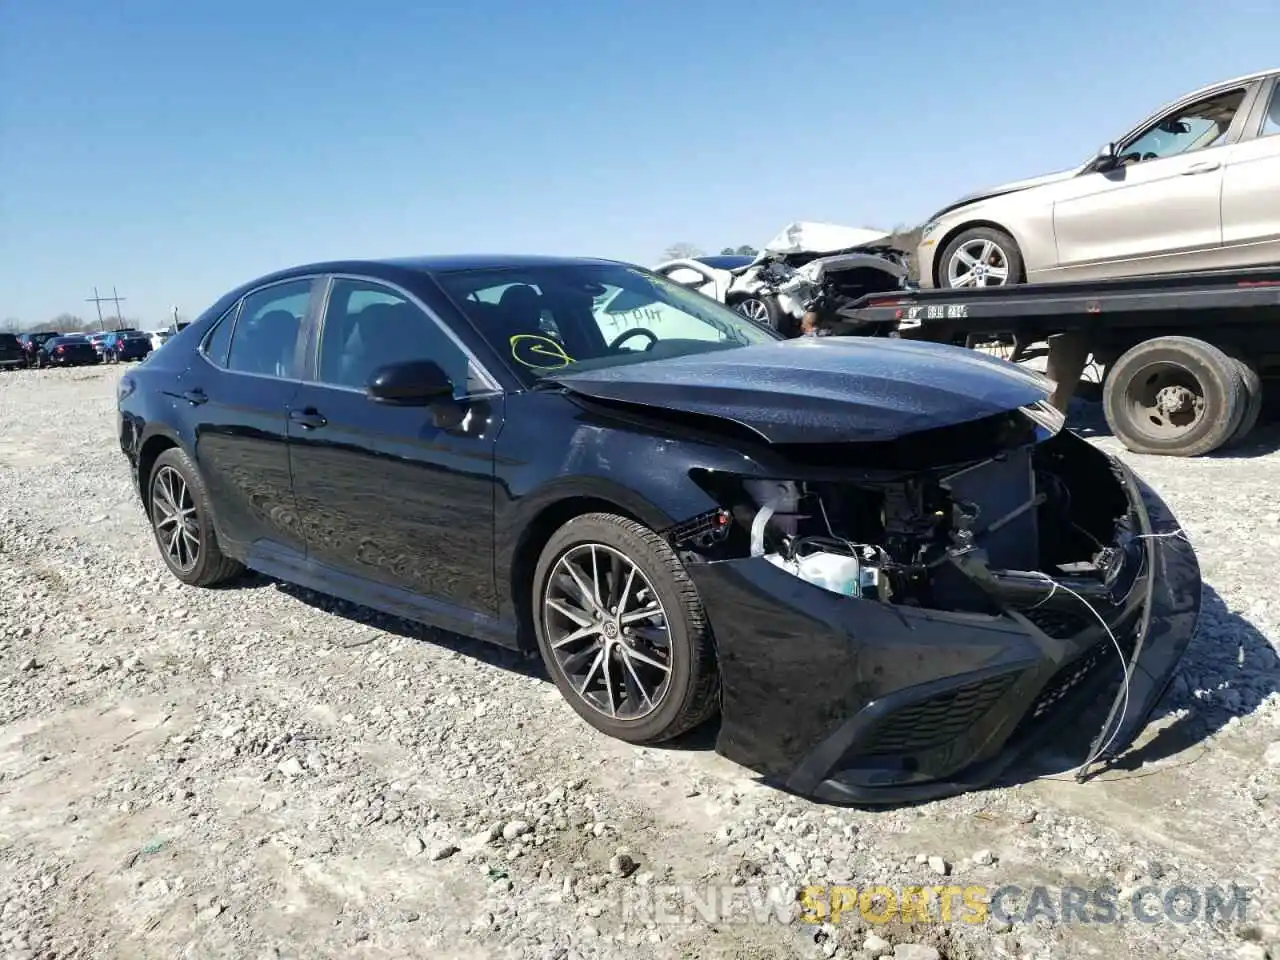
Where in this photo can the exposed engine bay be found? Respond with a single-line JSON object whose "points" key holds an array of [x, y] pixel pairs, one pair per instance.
{"points": [[990, 536]]}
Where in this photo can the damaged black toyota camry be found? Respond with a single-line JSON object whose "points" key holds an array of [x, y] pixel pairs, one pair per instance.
{"points": [[885, 565]]}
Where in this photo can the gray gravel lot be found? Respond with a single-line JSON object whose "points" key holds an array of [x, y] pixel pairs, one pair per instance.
{"points": [[261, 772]]}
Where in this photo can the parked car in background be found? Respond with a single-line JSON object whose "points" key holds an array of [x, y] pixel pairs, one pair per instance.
{"points": [[160, 337], [12, 355], [868, 555], [70, 351], [31, 343], [1194, 186], [99, 341], [124, 345]]}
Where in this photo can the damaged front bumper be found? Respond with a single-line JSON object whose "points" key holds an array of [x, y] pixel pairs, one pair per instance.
{"points": [[857, 701]]}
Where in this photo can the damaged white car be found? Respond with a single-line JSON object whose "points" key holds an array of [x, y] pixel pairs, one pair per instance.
{"points": [[820, 267]]}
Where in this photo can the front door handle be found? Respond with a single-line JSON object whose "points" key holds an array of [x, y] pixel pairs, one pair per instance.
{"points": [[195, 397], [308, 419], [1204, 166]]}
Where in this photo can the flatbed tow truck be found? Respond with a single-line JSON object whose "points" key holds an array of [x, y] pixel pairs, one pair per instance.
{"points": [[1185, 355]]}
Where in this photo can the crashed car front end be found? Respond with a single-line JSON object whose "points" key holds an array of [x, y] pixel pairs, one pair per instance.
{"points": [[911, 570], [823, 268], [890, 637]]}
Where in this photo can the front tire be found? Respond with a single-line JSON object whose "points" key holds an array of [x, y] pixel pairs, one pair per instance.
{"points": [[622, 631], [981, 257], [762, 310], [182, 522]]}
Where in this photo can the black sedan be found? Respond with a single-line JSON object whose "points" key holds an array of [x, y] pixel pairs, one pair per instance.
{"points": [[885, 564], [69, 351], [12, 356]]}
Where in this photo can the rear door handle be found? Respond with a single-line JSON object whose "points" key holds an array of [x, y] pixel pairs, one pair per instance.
{"points": [[1205, 166], [195, 397], [308, 419]]}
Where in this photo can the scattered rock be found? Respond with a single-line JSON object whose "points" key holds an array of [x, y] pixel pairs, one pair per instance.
{"points": [[875, 945], [442, 851], [514, 829], [914, 951], [621, 865], [291, 767]]}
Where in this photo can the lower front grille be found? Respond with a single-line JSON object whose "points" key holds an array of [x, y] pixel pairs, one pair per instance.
{"points": [[1058, 623], [1083, 668], [936, 721]]}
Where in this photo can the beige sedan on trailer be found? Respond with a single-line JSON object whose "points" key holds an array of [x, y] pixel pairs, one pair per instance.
{"points": [[1195, 186]]}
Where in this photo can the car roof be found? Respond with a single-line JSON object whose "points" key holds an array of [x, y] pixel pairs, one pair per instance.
{"points": [[443, 263]]}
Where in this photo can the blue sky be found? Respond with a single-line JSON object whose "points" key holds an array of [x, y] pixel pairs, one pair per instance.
{"points": [[177, 149]]}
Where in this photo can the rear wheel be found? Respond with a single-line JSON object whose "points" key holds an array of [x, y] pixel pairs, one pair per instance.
{"points": [[622, 631], [1175, 396], [1251, 381], [182, 522]]}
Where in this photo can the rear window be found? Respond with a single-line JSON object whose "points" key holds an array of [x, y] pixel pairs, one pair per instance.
{"points": [[9, 340]]}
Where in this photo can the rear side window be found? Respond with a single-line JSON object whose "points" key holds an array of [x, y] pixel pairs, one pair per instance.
{"points": [[219, 339], [9, 340], [268, 328], [1271, 122]]}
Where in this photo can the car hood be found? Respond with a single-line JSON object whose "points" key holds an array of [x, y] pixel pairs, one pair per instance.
{"points": [[1013, 186], [823, 389]]}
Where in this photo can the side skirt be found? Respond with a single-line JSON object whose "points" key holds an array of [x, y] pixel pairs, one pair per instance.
{"points": [[281, 563]]}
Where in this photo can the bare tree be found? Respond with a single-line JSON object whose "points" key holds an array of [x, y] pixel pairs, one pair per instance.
{"points": [[68, 321], [681, 251], [11, 325]]}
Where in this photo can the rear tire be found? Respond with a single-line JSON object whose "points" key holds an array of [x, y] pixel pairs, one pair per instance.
{"points": [[624, 696], [1174, 396], [182, 522], [1251, 381]]}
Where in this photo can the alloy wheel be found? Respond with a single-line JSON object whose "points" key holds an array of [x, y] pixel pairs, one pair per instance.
{"points": [[173, 513], [978, 263], [608, 631], [754, 310]]}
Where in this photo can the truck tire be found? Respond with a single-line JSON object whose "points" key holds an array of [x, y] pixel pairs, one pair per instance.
{"points": [[1252, 382], [1174, 396]]}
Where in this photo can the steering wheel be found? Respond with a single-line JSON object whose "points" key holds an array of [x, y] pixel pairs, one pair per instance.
{"points": [[626, 335]]}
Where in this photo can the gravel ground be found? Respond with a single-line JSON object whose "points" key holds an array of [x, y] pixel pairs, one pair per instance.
{"points": [[261, 772]]}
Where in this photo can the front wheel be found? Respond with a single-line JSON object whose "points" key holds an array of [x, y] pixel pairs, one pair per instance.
{"points": [[761, 310], [622, 631], [980, 257]]}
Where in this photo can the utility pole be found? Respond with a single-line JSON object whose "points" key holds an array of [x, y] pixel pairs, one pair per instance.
{"points": [[98, 301], [117, 298]]}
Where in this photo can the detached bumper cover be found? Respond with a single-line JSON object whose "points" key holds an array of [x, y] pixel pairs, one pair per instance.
{"points": [[862, 702]]}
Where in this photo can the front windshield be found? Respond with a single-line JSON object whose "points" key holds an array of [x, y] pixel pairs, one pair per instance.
{"points": [[548, 320]]}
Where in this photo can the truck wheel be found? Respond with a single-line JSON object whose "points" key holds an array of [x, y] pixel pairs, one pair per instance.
{"points": [[980, 257], [1175, 396], [1252, 383]]}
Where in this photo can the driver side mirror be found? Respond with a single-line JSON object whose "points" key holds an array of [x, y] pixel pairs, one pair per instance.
{"points": [[1105, 159], [412, 383]]}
